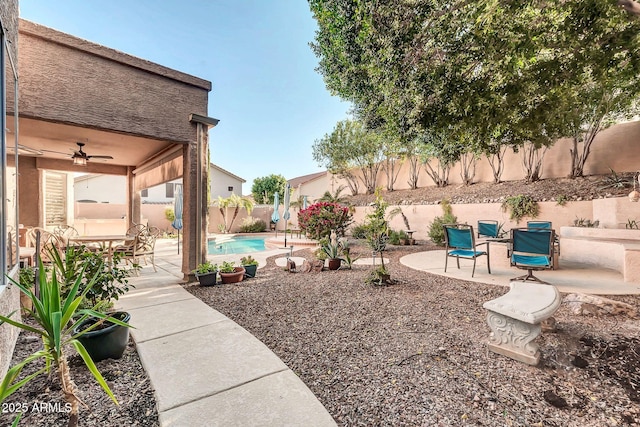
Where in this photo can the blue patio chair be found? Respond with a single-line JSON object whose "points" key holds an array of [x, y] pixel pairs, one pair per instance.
{"points": [[488, 228], [460, 243], [532, 249], [539, 224], [546, 225]]}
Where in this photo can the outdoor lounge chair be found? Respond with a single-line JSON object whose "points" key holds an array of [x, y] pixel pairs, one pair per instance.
{"points": [[460, 243], [546, 225], [532, 249], [488, 228]]}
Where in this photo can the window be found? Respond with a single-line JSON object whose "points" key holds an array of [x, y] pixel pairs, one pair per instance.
{"points": [[230, 188], [170, 188], [55, 203], [144, 193]]}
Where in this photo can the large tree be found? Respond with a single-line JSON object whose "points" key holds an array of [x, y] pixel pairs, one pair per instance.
{"points": [[264, 188], [499, 68], [351, 152]]}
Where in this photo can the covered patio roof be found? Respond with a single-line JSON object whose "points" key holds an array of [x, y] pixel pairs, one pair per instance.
{"points": [[152, 121]]}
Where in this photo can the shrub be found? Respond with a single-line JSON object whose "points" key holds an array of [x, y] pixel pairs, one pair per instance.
{"points": [[396, 236], [319, 219], [436, 229], [253, 225], [359, 231], [520, 206], [169, 214], [584, 222]]}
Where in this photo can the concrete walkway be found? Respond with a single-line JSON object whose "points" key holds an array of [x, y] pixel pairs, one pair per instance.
{"points": [[569, 278], [206, 369]]}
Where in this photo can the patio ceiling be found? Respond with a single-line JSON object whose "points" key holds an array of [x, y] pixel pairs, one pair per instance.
{"points": [[58, 141]]}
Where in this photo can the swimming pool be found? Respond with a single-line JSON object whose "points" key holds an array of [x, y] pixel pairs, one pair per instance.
{"points": [[236, 245]]}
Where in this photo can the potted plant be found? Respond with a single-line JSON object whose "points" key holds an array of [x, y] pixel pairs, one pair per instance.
{"points": [[105, 336], [250, 266], [55, 319], [333, 251], [229, 273], [207, 273]]}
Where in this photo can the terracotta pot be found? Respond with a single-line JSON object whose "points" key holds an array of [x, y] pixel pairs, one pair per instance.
{"points": [[235, 277], [334, 263]]}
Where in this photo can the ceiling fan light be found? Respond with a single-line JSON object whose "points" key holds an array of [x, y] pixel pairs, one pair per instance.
{"points": [[79, 161]]}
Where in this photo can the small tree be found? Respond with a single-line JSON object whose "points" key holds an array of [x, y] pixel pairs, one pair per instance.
{"points": [[236, 202], [319, 219], [376, 226]]}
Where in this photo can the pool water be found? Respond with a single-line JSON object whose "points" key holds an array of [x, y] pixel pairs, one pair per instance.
{"points": [[236, 245]]}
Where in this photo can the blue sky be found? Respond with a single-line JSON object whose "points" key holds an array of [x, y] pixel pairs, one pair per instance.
{"points": [[271, 103]]}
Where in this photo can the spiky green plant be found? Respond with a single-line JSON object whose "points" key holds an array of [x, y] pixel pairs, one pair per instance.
{"points": [[55, 319]]}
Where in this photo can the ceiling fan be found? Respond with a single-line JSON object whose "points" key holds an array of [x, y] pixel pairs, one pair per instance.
{"points": [[80, 158]]}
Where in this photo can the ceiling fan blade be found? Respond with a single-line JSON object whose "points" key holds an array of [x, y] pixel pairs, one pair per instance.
{"points": [[99, 157], [25, 149]]}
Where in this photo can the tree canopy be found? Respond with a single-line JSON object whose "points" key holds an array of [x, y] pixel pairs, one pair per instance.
{"points": [[264, 188], [520, 73], [351, 146]]}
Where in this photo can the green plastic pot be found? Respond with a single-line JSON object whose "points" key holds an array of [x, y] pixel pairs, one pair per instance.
{"points": [[106, 343]]}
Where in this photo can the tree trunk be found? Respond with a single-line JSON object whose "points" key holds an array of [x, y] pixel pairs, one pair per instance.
{"points": [[68, 390]]}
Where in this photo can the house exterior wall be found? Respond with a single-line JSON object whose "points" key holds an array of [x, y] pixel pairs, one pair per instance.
{"points": [[158, 193], [615, 148], [315, 188], [220, 183], [112, 188], [9, 294], [101, 188], [70, 80]]}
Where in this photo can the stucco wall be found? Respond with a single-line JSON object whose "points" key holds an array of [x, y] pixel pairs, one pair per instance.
{"points": [[70, 80], [420, 217], [9, 302], [101, 188], [616, 148], [9, 298]]}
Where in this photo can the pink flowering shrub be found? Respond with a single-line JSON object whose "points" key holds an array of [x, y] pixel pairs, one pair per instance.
{"points": [[319, 219]]}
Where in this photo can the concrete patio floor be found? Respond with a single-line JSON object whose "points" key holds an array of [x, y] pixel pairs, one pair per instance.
{"points": [[569, 278]]}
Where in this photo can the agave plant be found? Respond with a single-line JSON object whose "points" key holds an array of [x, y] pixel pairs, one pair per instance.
{"points": [[55, 319]]}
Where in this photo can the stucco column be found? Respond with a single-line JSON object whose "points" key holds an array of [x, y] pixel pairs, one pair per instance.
{"points": [[195, 178], [134, 215]]}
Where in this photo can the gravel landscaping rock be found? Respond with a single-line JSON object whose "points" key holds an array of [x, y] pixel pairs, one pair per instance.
{"points": [[414, 353]]}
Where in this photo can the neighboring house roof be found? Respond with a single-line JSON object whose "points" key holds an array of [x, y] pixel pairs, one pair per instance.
{"points": [[227, 172], [294, 182]]}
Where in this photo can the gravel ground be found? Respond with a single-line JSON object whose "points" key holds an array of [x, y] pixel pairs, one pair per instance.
{"points": [[414, 353], [585, 188], [126, 378]]}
